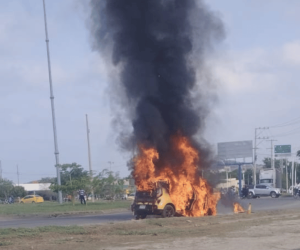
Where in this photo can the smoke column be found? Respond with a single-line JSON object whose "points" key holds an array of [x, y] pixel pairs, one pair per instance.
{"points": [[159, 47]]}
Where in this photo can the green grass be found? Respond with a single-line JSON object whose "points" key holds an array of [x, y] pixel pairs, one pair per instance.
{"points": [[25, 232], [5, 243], [54, 208]]}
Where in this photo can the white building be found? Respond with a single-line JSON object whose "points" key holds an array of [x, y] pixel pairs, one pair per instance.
{"points": [[35, 187]]}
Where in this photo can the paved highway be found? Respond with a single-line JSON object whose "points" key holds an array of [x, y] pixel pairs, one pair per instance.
{"points": [[264, 203], [257, 205]]}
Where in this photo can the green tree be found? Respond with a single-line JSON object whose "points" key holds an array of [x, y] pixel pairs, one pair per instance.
{"points": [[267, 162], [108, 185], [6, 188], [73, 178], [18, 191]]}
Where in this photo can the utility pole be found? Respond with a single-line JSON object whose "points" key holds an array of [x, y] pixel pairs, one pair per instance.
{"points": [[0, 171], [255, 147], [273, 163], [286, 175], [295, 173], [292, 169], [56, 153], [227, 170], [110, 163], [243, 172], [89, 154], [18, 174]]}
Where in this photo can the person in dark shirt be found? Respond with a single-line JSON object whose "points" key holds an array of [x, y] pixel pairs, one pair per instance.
{"points": [[245, 192]]}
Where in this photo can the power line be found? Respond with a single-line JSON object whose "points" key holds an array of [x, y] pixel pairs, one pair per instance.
{"points": [[291, 132], [289, 123]]}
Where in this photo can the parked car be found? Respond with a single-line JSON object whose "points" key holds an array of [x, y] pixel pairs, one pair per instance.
{"points": [[32, 199], [263, 190], [131, 196]]}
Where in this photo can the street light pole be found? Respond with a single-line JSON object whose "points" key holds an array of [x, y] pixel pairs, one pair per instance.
{"points": [[18, 174], [0, 171], [56, 153]]}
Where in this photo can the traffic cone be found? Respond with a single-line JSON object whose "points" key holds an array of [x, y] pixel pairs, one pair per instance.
{"points": [[249, 208]]}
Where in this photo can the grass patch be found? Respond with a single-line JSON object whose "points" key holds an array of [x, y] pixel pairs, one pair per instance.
{"points": [[5, 243], [54, 207], [25, 232]]}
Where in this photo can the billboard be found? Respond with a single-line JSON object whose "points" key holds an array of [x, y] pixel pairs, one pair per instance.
{"points": [[282, 150], [234, 150]]}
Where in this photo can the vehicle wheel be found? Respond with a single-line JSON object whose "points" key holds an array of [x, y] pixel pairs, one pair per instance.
{"points": [[168, 211], [273, 195], [138, 216], [250, 195], [33, 202], [22, 202]]}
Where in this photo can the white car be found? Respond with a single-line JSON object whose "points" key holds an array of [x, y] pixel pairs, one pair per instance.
{"points": [[290, 190], [263, 190]]}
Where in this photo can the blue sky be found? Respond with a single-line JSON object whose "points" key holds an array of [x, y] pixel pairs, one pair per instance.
{"points": [[256, 69]]}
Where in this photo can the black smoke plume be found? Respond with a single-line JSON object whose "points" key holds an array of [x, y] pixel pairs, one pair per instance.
{"points": [[159, 47]]}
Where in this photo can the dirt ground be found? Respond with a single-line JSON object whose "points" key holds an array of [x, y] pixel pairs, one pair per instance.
{"points": [[262, 230]]}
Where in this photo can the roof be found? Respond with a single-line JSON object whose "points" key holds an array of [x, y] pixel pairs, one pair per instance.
{"points": [[36, 186]]}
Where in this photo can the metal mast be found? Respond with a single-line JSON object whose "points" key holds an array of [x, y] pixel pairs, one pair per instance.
{"points": [[18, 174], [0, 171], [56, 153], [89, 153], [255, 157]]}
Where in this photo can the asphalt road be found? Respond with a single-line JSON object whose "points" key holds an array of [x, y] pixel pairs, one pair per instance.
{"points": [[257, 205], [263, 203]]}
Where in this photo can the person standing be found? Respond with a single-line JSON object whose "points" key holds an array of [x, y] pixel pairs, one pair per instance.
{"points": [[245, 191], [81, 196]]}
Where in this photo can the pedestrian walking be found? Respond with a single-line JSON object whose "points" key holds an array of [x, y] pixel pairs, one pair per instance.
{"points": [[81, 196]]}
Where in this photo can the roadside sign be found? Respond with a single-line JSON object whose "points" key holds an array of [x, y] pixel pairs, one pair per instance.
{"points": [[282, 150], [235, 149]]}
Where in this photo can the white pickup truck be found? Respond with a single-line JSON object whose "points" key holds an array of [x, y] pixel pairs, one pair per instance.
{"points": [[263, 190]]}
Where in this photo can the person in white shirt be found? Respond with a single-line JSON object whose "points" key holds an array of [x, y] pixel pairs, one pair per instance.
{"points": [[81, 196]]}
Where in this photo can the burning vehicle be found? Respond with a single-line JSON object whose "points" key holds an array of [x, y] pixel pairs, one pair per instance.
{"points": [[157, 201], [154, 201], [171, 190]]}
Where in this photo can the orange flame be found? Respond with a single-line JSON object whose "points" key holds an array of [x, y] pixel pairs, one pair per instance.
{"points": [[184, 182], [237, 208]]}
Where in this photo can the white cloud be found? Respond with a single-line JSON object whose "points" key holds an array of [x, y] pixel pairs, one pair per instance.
{"points": [[291, 52], [244, 71], [257, 87]]}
